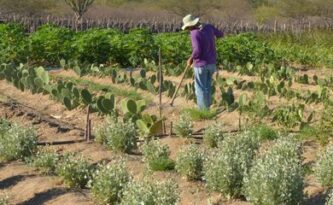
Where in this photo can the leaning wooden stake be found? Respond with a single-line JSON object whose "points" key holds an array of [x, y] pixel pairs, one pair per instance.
{"points": [[88, 125], [160, 81], [160, 77]]}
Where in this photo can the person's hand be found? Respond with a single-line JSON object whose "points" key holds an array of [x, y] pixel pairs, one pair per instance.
{"points": [[189, 62]]}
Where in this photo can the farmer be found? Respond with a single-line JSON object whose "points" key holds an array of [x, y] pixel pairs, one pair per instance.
{"points": [[203, 56]]}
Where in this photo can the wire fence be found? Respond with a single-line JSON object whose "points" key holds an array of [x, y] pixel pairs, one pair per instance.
{"points": [[167, 25]]}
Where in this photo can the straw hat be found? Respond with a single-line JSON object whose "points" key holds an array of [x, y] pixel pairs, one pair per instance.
{"points": [[189, 21]]}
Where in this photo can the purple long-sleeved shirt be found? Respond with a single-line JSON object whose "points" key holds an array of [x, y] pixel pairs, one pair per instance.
{"points": [[203, 45]]}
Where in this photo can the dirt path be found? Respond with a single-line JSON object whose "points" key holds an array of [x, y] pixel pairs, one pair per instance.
{"points": [[24, 186]]}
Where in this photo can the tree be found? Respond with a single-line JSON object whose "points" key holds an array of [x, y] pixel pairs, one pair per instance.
{"points": [[79, 7]]}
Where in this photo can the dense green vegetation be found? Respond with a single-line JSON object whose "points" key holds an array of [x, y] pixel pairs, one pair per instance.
{"points": [[314, 48], [50, 45]]}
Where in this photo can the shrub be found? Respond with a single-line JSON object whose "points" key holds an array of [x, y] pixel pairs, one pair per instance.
{"points": [[95, 45], [16, 142], [213, 134], [100, 132], [75, 171], [264, 132], [226, 166], [108, 182], [51, 44], [13, 43], [276, 178], [137, 45], [329, 199], [324, 168], [189, 162], [121, 136], [184, 126], [157, 156], [246, 47], [45, 161], [152, 193]]}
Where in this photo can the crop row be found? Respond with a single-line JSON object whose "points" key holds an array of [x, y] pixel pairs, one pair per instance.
{"points": [[232, 168], [272, 82], [37, 80], [50, 44]]}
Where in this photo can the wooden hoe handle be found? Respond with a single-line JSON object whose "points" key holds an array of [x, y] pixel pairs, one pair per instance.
{"points": [[181, 81]]}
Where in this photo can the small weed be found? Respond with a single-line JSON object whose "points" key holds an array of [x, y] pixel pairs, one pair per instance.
{"points": [[201, 114], [152, 193], [189, 162], [314, 133], [108, 183], [45, 161], [75, 171], [184, 126], [16, 142], [121, 136], [213, 135], [157, 156], [308, 169], [264, 132]]}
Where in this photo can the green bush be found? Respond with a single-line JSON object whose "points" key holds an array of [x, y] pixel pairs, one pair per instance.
{"points": [[45, 161], [75, 171], [213, 134], [243, 48], [137, 45], [13, 43], [229, 163], [157, 156], [277, 177], [96, 45], [175, 47], [16, 142], [50, 44], [189, 162], [183, 128], [108, 183], [151, 193], [121, 136], [329, 199], [101, 131], [264, 132], [324, 168]]}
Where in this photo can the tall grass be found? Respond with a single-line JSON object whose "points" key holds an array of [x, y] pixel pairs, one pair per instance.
{"points": [[313, 48]]}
